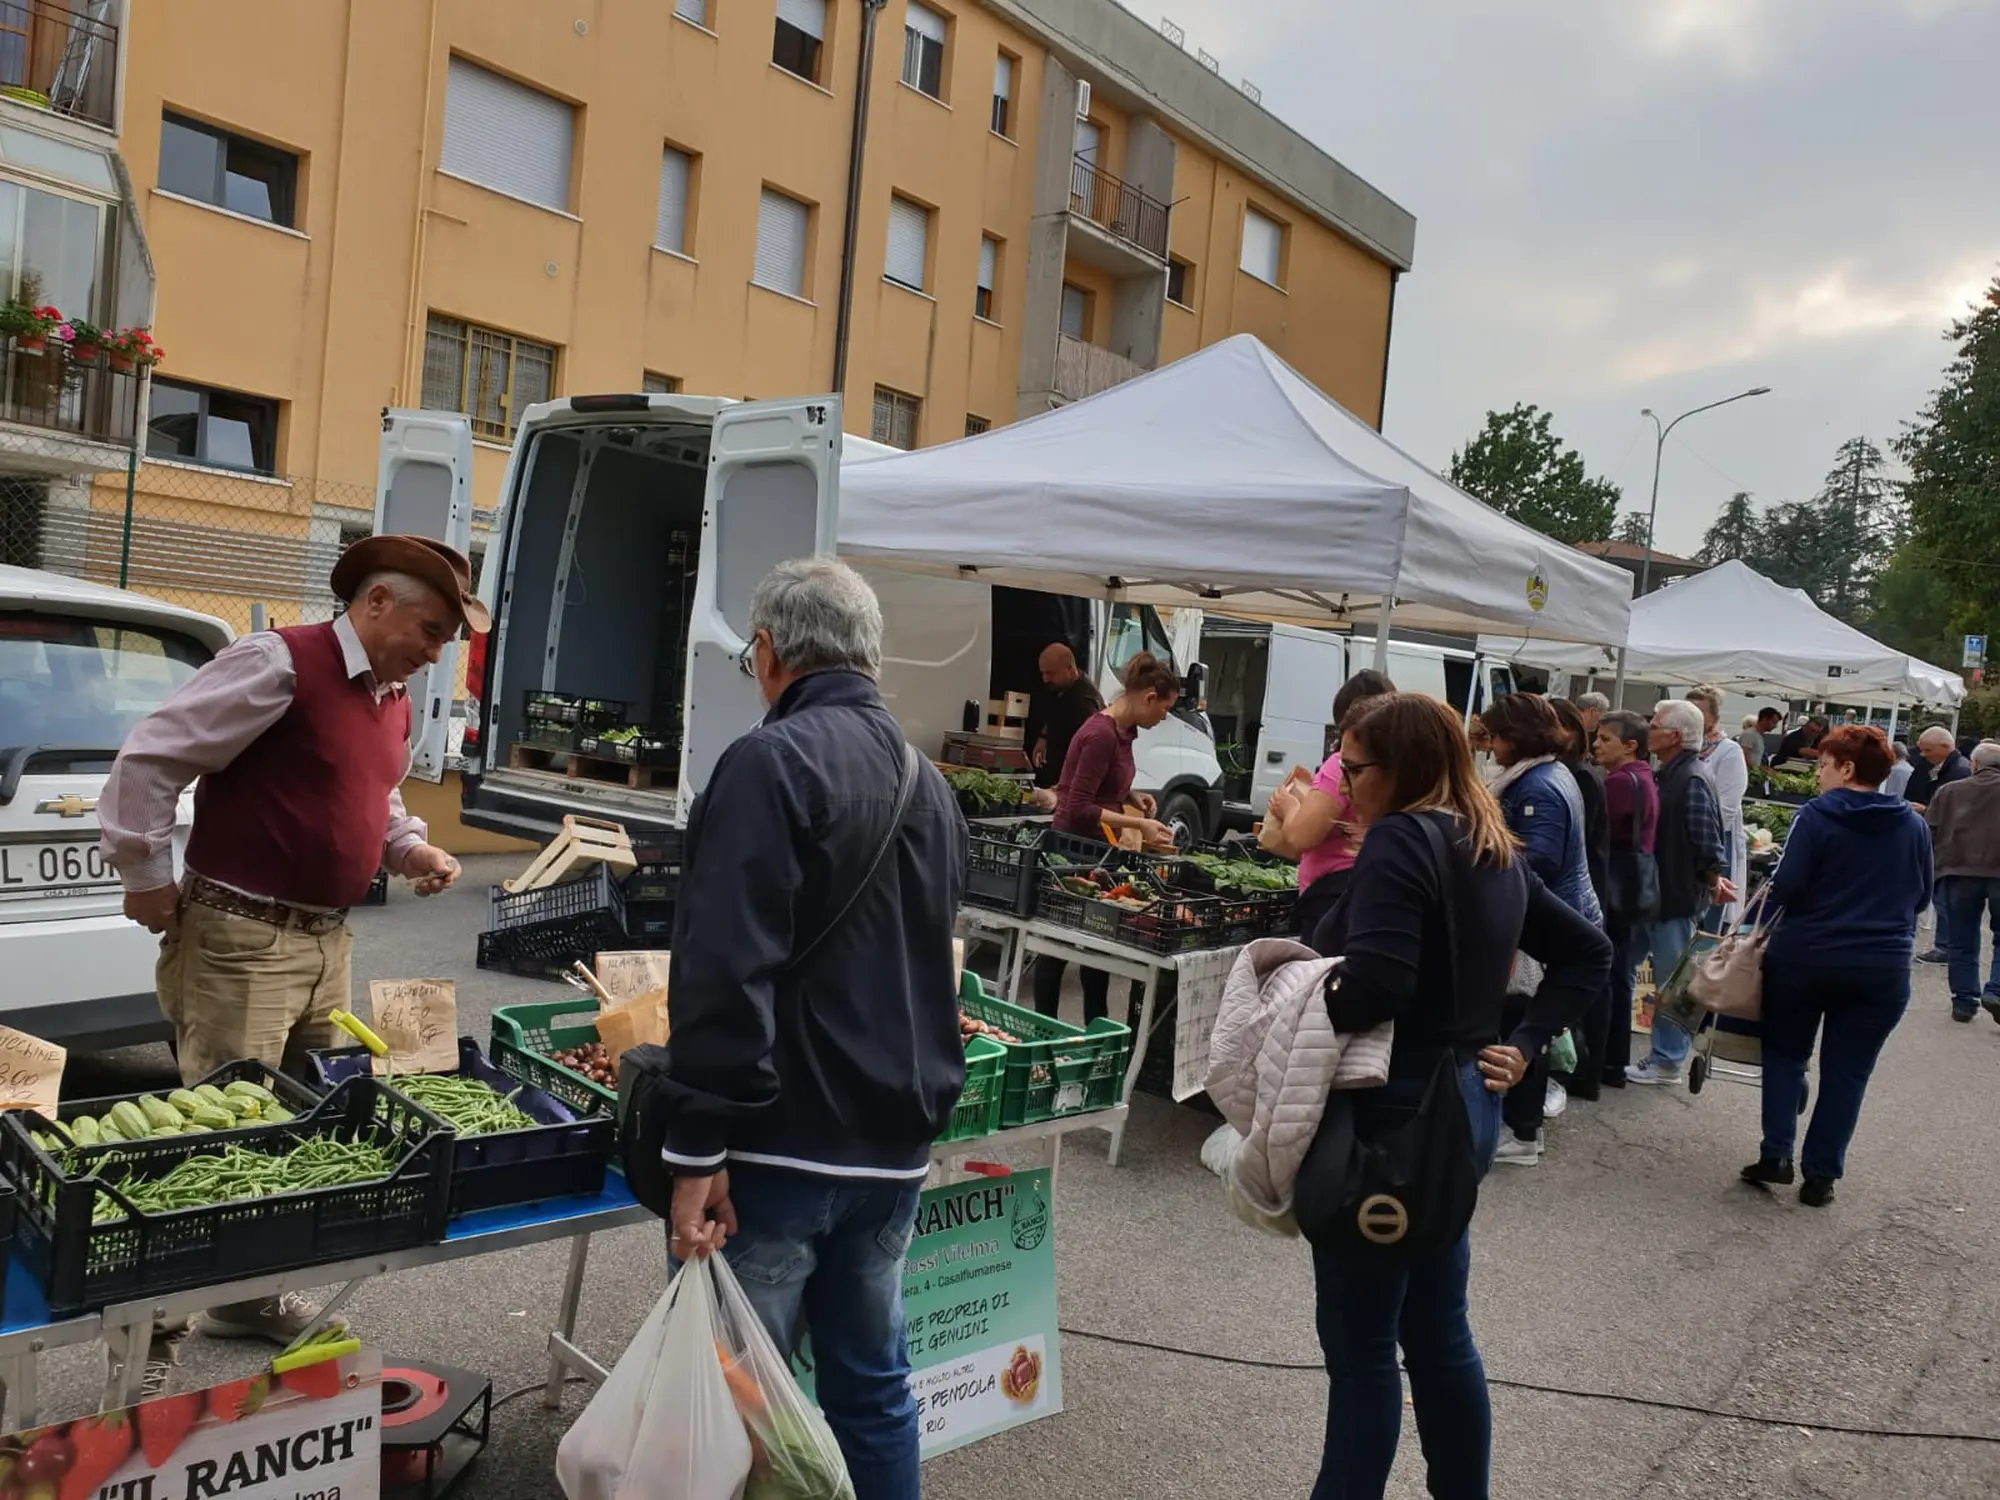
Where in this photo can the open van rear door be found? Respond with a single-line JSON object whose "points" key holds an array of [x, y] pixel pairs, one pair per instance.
{"points": [[773, 493], [1300, 673], [423, 487]]}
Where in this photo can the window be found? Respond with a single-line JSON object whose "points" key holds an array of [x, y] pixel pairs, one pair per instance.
{"points": [[1263, 246], [50, 248], [1075, 310], [796, 45], [212, 166], [1003, 93], [76, 680], [989, 272], [491, 377], [670, 223], [656, 384], [896, 418], [506, 136], [782, 225], [909, 243], [1136, 628], [976, 425], [200, 425], [1089, 136], [692, 10], [923, 50], [1178, 288]]}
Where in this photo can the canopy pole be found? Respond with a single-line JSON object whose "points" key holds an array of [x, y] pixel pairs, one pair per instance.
{"points": [[1618, 685], [1382, 635], [1895, 706]]}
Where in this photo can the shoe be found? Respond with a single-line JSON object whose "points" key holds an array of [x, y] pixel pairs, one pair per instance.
{"points": [[1587, 1092], [1767, 1173], [1934, 956], [163, 1353], [1816, 1192], [1614, 1078], [1650, 1072], [280, 1321], [1992, 1004], [1518, 1152], [1966, 1012], [1554, 1100]]}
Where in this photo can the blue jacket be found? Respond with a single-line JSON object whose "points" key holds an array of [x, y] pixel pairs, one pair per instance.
{"points": [[1855, 873], [844, 1061], [1544, 808]]}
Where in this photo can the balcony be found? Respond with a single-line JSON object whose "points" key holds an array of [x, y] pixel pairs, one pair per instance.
{"points": [[62, 415], [1085, 369], [1131, 225], [59, 57]]}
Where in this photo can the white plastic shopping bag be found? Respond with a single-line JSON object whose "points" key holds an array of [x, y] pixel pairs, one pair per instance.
{"points": [[793, 1452], [665, 1425]]}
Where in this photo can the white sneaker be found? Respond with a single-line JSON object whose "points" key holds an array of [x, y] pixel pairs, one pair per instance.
{"points": [[1555, 1101], [1650, 1072], [1519, 1152]]}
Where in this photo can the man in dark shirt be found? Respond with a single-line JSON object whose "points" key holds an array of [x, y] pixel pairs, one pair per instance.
{"points": [[1798, 744], [1939, 763], [1066, 701]]}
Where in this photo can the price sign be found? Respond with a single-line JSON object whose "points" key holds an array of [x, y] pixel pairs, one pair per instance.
{"points": [[31, 1072], [418, 1018], [629, 975]]}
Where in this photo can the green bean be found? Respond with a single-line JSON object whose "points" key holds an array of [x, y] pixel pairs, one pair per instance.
{"points": [[468, 1105]]}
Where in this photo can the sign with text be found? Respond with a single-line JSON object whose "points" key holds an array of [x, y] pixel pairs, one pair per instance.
{"points": [[314, 1431], [31, 1072], [418, 1019], [1975, 652], [627, 976]]}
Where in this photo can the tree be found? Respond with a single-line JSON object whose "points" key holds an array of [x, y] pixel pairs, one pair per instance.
{"points": [[1862, 516], [1794, 549], [1733, 533], [1914, 608], [1632, 528], [1523, 470]]}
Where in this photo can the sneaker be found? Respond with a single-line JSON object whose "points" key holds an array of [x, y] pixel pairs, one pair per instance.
{"points": [[1614, 1078], [1555, 1100], [1992, 1004], [1767, 1173], [1816, 1192], [1934, 956], [1964, 1012], [1653, 1072], [280, 1321], [1518, 1152]]}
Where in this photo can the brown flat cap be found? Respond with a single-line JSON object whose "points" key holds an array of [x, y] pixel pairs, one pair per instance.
{"points": [[444, 568]]}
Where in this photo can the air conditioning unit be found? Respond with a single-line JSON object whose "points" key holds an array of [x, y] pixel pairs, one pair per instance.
{"points": [[1083, 99]]}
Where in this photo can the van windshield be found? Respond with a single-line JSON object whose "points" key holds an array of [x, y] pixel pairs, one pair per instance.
{"points": [[78, 682], [1136, 628]]}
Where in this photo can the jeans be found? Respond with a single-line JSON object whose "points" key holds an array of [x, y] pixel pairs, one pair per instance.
{"points": [[1967, 898], [1366, 1309], [1940, 927], [1665, 940], [833, 1252], [1860, 1006], [1522, 1106], [1618, 1020], [1096, 990]]}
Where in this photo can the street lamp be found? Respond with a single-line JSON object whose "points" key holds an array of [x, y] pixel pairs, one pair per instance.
{"points": [[1653, 512]]}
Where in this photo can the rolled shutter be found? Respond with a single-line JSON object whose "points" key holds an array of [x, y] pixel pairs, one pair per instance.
{"points": [[692, 10], [670, 227], [925, 22], [1003, 77], [808, 15], [1263, 242], [988, 253], [506, 136], [909, 237], [781, 243]]}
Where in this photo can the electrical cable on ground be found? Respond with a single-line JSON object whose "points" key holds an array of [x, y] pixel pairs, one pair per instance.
{"points": [[500, 1401], [1657, 1404]]}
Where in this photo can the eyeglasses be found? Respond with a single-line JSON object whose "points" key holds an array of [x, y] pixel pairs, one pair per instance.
{"points": [[1349, 767]]}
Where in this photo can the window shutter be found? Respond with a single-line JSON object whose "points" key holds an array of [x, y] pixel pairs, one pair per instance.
{"points": [[988, 254], [781, 244], [808, 15], [1088, 137], [670, 227], [1075, 307], [1003, 77], [506, 136], [925, 22], [1263, 240], [692, 10], [909, 237]]}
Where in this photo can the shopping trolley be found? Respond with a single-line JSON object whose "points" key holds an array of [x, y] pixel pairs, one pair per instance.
{"points": [[1727, 1047]]}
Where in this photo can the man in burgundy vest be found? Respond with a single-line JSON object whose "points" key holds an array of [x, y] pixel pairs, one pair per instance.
{"points": [[300, 740]]}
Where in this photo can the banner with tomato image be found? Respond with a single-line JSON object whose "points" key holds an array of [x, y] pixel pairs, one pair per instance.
{"points": [[313, 1430]]}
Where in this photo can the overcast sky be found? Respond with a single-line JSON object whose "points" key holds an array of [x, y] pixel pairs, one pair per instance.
{"points": [[1631, 203]]}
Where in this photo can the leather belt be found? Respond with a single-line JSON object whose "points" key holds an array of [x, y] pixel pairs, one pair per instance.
{"points": [[261, 909]]}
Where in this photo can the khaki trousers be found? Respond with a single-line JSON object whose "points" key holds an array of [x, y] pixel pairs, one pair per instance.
{"points": [[237, 988]]}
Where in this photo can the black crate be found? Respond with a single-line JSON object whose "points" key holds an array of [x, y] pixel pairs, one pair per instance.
{"points": [[554, 708], [1179, 924], [579, 713], [542, 932], [84, 1265], [547, 735], [1003, 866], [562, 1157], [7, 1216], [650, 924], [294, 1095], [654, 880]]}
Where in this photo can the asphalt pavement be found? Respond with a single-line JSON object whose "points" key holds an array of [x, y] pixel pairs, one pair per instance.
{"points": [[1635, 1304]]}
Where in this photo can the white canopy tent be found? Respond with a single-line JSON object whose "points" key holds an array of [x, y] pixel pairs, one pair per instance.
{"points": [[1735, 628], [1226, 481]]}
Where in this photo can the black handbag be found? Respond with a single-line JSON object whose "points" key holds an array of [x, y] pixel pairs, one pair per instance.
{"points": [[1405, 1193], [1632, 879]]}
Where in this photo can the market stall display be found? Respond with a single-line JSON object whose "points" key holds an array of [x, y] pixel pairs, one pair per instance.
{"points": [[539, 933], [1051, 1068]]}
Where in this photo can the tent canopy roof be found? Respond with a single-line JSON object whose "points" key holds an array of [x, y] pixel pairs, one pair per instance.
{"points": [[1734, 627], [1226, 481]]}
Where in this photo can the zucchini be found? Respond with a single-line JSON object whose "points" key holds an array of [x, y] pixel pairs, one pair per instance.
{"points": [[212, 1094], [83, 1130], [208, 1117], [247, 1109], [245, 1089], [108, 1133], [185, 1100], [162, 1115], [276, 1114], [131, 1120]]}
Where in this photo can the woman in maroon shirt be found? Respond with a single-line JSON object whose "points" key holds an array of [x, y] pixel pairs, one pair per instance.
{"points": [[1096, 785]]}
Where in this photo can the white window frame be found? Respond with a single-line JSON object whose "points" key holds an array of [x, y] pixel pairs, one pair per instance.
{"points": [[907, 259], [921, 26], [670, 218], [532, 161], [775, 214], [905, 416], [1004, 69], [989, 275], [808, 16], [1263, 248]]}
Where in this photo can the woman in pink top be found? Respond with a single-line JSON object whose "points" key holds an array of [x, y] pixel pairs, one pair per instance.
{"points": [[1316, 825]]}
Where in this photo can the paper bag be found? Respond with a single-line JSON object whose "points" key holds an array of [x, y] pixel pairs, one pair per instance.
{"points": [[418, 1018], [641, 1022], [31, 1072]]}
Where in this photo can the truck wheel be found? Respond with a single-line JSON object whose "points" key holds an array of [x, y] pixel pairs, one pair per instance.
{"points": [[1182, 813]]}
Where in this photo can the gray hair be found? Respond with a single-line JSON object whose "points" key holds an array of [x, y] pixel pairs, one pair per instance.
{"points": [[821, 614], [1678, 716], [404, 588], [1985, 754], [1937, 734], [1593, 700]]}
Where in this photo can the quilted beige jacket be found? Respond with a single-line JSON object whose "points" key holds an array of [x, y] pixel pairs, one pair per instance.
{"points": [[1272, 1059]]}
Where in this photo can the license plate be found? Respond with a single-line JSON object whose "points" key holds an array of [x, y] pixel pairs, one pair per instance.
{"points": [[58, 868]]}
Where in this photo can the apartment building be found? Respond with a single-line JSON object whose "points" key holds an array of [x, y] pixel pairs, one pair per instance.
{"points": [[955, 212]]}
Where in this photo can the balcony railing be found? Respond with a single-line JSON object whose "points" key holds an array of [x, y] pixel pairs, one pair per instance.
{"points": [[1085, 369], [1118, 208], [62, 57], [49, 389]]}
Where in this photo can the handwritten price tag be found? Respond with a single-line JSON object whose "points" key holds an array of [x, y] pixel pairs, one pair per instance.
{"points": [[629, 975], [418, 1018], [31, 1072]]}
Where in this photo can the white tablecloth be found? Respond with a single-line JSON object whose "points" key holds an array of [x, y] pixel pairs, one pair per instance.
{"points": [[1199, 978]]}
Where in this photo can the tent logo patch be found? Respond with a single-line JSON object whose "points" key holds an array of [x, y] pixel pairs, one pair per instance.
{"points": [[1538, 590]]}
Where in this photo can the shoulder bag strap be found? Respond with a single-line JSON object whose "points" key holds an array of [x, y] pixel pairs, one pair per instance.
{"points": [[905, 790], [1447, 885]]}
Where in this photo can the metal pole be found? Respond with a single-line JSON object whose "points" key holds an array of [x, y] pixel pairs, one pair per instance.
{"points": [[1382, 635], [125, 539]]}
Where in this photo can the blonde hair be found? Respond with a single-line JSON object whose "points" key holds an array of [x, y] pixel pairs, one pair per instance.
{"points": [[1419, 744]]}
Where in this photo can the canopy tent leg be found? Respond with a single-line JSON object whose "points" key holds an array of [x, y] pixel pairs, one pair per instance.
{"points": [[1618, 683], [1382, 635], [1895, 707]]}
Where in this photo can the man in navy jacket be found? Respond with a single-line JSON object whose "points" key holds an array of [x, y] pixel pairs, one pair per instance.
{"points": [[815, 1052]]}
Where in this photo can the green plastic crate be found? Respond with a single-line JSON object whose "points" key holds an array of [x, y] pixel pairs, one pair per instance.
{"points": [[978, 1109], [1055, 1068], [525, 1037]]}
